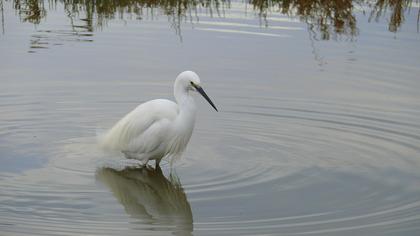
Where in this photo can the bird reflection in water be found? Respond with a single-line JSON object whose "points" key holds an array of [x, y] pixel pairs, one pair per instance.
{"points": [[149, 196]]}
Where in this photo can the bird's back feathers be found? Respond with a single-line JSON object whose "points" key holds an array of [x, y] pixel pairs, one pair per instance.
{"points": [[150, 119]]}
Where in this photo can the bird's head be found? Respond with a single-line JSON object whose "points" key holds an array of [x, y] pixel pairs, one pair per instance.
{"points": [[189, 81]]}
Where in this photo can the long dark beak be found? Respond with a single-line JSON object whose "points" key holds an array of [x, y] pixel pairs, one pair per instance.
{"points": [[201, 91]]}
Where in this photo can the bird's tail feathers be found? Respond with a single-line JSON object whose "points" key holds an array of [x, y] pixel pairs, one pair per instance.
{"points": [[106, 141]]}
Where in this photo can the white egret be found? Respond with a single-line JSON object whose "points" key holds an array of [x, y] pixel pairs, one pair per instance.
{"points": [[158, 128]]}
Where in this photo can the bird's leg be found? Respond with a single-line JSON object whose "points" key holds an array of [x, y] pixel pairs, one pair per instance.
{"points": [[158, 169], [157, 163]]}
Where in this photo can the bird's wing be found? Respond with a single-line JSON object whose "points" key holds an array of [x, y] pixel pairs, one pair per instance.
{"points": [[150, 119]]}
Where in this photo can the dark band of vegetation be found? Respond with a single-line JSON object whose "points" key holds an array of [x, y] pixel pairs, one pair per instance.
{"points": [[329, 17]]}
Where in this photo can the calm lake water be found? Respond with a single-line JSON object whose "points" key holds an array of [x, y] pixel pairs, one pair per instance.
{"points": [[318, 131]]}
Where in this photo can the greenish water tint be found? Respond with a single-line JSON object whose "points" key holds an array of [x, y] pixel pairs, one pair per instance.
{"points": [[318, 129]]}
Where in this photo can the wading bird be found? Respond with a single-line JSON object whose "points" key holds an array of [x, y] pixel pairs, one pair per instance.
{"points": [[158, 128]]}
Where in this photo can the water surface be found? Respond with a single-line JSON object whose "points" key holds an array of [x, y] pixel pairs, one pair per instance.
{"points": [[318, 131]]}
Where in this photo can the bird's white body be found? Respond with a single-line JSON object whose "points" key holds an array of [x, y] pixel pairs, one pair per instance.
{"points": [[158, 128]]}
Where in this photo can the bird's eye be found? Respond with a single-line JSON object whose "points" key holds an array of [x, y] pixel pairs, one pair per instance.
{"points": [[192, 83]]}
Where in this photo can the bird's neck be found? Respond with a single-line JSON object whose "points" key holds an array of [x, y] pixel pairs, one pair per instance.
{"points": [[186, 103], [187, 108]]}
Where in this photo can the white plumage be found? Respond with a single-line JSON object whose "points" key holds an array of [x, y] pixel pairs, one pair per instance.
{"points": [[158, 128]]}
